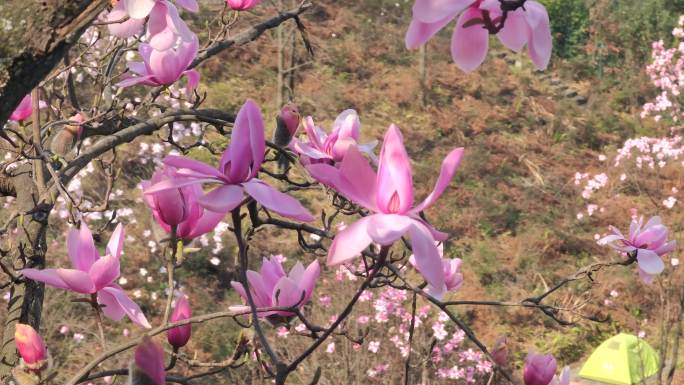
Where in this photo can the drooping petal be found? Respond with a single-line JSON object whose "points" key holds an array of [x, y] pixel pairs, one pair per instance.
{"points": [[307, 150], [222, 199], [469, 44], [81, 248], [449, 166], [116, 240], [277, 201], [206, 223], [134, 81], [193, 81], [430, 11], [110, 306], [394, 181], [139, 9], [129, 307], [105, 271], [56, 278], [650, 262], [540, 42], [514, 33], [428, 260], [350, 242]]}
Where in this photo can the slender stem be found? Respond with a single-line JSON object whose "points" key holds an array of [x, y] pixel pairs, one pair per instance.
{"points": [[170, 269], [35, 124], [243, 257], [345, 313], [98, 319], [412, 327]]}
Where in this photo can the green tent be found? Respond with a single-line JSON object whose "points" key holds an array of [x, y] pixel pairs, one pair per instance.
{"points": [[621, 360]]}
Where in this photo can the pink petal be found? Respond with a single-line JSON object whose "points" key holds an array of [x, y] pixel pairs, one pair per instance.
{"points": [[47, 276], [110, 306], [430, 11], [222, 199], [133, 81], [347, 125], [650, 262], [190, 5], [77, 280], [385, 229], [350, 242], [645, 277], [165, 66], [261, 290], [394, 182], [149, 358], [449, 166], [419, 32], [276, 201], [175, 183], [316, 137], [287, 294], [139, 9], [307, 150], [359, 179], [131, 309], [81, 248], [666, 248], [193, 81], [205, 224], [177, 24], [105, 271], [246, 150], [514, 33], [428, 260], [126, 29], [309, 278], [161, 36], [469, 45], [181, 162], [116, 240], [540, 43]]}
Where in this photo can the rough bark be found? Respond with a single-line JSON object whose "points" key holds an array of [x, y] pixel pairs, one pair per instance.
{"points": [[34, 36]]}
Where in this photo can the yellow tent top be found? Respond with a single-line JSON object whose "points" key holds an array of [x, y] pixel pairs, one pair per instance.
{"points": [[623, 359]]}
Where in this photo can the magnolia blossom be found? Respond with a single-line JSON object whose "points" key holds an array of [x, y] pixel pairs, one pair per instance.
{"points": [[147, 366], [164, 67], [180, 335], [93, 274], [389, 196], [25, 109], [470, 41], [272, 287], [287, 123], [236, 173], [648, 242], [30, 345], [164, 27], [242, 5], [321, 148], [453, 278], [179, 207]]}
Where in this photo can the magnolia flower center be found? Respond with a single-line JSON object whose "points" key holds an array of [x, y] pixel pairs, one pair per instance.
{"points": [[394, 203]]}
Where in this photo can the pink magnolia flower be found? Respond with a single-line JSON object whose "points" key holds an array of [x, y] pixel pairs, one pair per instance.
{"points": [[539, 369], [287, 123], [389, 196], [179, 206], [271, 287], [236, 173], [321, 148], [452, 271], [93, 274], [148, 364], [649, 243], [25, 109], [30, 345], [242, 5], [470, 41], [164, 67], [179, 336]]}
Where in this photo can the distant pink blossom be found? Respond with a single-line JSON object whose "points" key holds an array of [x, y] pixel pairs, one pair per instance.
{"points": [[453, 278], [148, 364], [470, 41], [324, 148]]}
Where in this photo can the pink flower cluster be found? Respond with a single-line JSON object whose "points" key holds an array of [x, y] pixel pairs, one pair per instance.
{"points": [[667, 75]]}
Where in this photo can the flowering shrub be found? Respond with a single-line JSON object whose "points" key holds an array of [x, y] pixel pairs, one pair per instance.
{"points": [[212, 184]]}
